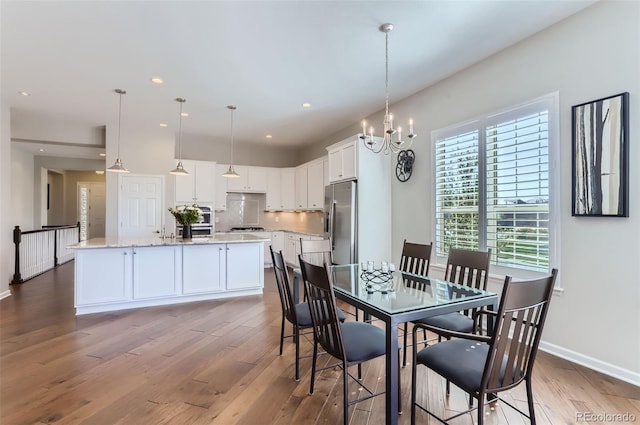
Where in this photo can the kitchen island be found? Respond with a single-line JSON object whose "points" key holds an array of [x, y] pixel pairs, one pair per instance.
{"points": [[117, 274]]}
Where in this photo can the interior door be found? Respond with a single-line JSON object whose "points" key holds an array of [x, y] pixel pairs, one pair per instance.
{"points": [[140, 206]]}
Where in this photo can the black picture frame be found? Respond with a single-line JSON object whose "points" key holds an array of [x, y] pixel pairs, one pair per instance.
{"points": [[600, 152]]}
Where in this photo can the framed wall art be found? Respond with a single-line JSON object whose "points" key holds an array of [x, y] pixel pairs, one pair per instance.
{"points": [[600, 148]]}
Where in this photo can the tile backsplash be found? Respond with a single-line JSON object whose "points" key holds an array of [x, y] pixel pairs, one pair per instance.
{"points": [[248, 209]]}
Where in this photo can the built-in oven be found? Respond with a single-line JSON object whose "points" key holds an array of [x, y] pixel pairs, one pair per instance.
{"points": [[204, 227]]}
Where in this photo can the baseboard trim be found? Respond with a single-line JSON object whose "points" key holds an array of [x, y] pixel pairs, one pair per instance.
{"points": [[5, 294], [617, 372]]}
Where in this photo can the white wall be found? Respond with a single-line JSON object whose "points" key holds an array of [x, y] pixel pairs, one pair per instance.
{"points": [[6, 225], [22, 188], [596, 321]]}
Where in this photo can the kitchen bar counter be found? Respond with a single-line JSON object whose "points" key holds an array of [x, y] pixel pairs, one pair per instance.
{"points": [[232, 237], [117, 274]]}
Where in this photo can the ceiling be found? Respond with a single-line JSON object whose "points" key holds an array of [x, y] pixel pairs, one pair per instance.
{"points": [[266, 57]]}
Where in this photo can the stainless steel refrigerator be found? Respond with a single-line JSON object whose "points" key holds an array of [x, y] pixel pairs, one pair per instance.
{"points": [[341, 221]]}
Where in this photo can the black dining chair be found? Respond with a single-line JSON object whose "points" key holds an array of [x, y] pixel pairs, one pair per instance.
{"points": [[484, 366], [352, 343], [296, 314], [415, 259]]}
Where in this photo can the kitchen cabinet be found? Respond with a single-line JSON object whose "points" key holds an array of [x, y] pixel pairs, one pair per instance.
{"points": [[220, 203], [133, 273], [109, 271], [343, 161], [252, 179], [198, 186], [288, 189], [273, 198], [277, 242], [156, 271], [268, 261], [292, 247], [245, 266], [310, 186], [315, 185], [204, 268], [301, 187]]}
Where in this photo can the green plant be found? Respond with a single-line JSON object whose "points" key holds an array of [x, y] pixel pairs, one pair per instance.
{"points": [[186, 214]]}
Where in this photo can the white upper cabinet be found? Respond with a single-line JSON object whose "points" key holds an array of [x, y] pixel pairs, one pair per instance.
{"points": [[343, 161], [287, 189], [252, 179], [221, 187], [301, 187], [310, 185], [315, 185], [273, 197], [199, 185]]}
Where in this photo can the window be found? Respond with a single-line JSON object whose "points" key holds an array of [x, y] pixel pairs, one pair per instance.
{"points": [[492, 186]]}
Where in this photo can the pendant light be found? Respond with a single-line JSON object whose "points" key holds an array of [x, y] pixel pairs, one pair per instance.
{"points": [[118, 167], [388, 143], [231, 173], [179, 170]]}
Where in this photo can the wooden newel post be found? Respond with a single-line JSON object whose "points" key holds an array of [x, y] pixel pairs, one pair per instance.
{"points": [[17, 238]]}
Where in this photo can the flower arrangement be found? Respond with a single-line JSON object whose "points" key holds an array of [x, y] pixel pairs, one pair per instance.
{"points": [[186, 215]]}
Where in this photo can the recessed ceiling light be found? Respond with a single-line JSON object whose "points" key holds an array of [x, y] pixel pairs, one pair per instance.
{"points": [[100, 172], [102, 154], [24, 93], [164, 124], [306, 105], [157, 80], [268, 136], [184, 114], [41, 150]]}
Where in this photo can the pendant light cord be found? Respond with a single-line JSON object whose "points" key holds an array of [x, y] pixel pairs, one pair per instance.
{"points": [[180, 133], [386, 72], [119, 120]]}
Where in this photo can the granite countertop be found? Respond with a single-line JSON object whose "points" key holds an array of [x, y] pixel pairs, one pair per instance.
{"points": [[234, 237], [223, 232]]}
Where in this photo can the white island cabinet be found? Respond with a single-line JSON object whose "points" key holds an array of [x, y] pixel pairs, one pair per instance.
{"points": [[120, 274]]}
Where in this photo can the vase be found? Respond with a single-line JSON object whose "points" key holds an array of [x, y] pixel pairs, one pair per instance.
{"points": [[186, 231]]}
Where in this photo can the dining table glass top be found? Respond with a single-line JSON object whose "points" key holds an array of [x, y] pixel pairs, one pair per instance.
{"points": [[399, 292]]}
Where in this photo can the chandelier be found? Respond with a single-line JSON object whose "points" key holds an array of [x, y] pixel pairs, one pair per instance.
{"points": [[117, 167], [391, 140], [179, 170], [231, 173]]}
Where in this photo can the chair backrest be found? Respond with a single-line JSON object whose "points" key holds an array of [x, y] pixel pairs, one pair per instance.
{"points": [[415, 258], [316, 252], [518, 328], [284, 289], [322, 304], [469, 268]]}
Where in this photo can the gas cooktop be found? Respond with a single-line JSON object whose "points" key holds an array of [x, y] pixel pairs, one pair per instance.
{"points": [[247, 228]]}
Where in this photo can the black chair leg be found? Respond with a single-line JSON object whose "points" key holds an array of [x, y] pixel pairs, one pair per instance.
{"points": [[295, 332], [404, 342], [359, 371], [313, 366], [399, 385], [414, 367], [345, 392], [532, 411], [281, 334]]}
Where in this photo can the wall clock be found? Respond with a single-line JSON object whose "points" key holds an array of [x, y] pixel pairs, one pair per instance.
{"points": [[404, 168]]}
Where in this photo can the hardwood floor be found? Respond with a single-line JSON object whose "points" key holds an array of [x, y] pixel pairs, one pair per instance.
{"points": [[217, 362]]}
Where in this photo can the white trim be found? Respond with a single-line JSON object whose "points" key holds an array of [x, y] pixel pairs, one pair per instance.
{"points": [[608, 369], [5, 294]]}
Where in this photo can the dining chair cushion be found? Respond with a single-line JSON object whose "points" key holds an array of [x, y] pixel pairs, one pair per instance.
{"points": [[363, 341], [304, 315], [452, 321], [461, 360]]}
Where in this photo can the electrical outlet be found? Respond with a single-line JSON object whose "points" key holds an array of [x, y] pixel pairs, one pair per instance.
{"points": [[277, 219], [217, 219]]}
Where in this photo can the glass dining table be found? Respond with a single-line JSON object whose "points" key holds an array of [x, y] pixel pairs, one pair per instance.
{"points": [[395, 298]]}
